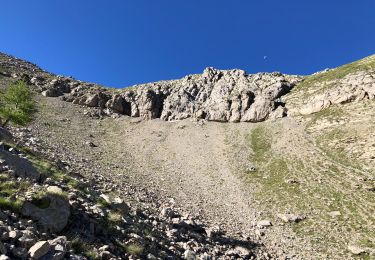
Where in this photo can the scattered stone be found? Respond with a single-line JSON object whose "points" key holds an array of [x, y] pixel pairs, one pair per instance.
{"points": [[27, 239], [189, 255], [242, 251], [356, 250], [167, 213], [334, 213], [15, 234], [290, 217], [292, 181], [22, 167], [54, 190], [39, 249], [264, 223], [90, 144], [151, 257]]}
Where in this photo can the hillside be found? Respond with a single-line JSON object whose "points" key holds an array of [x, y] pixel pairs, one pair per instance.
{"points": [[282, 165]]}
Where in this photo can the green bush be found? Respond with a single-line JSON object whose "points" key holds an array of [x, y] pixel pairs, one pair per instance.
{"points": [[16, 104]]}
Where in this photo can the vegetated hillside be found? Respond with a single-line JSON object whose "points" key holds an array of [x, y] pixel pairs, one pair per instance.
{"points": [[298, 184]]}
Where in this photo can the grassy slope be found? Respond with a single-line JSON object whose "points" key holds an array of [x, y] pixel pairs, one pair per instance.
{"points": [[327, 77], [322, 184], [328, 161]]}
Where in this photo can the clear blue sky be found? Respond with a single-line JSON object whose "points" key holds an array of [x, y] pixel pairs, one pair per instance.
{"points": [[123, 42]]}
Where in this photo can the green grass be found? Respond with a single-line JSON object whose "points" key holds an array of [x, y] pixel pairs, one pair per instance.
{"points": [[278, 196], [114, 217], [134, 249], [365, 64], [331, 114], [49, 170], [337, 154], [42, 202], [103, 202], [81, 247], [12, 205], [272, 171], [260, 143]]}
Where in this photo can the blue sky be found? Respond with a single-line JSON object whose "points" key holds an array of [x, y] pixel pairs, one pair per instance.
{"points": [[121, 42]]}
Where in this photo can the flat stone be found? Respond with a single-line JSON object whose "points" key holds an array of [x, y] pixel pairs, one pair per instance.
{"points": [[290, 217], [54, 189], [356, 250], [334, 213], [264, 223], [39, 249]]}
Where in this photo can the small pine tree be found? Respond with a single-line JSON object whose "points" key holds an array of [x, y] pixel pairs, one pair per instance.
{"points": [[16, 104]]}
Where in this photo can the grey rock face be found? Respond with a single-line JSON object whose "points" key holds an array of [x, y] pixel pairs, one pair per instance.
{"points": [[215, 95], [351, 88]]}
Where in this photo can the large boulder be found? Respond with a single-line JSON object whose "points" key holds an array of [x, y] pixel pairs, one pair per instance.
{"points": [[92, 100], [54, 218], [119, 105], [259, 110]]}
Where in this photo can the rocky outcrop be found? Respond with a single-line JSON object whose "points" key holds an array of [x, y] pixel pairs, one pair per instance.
{"points": [[353, 87], [215, 95]]}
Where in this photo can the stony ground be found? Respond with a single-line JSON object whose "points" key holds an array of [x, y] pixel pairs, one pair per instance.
{"points": [[206, 169], [298, 187]]}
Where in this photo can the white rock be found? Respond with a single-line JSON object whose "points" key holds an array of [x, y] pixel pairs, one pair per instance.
{"points": [[356, 250], [39, 249], [189, 255], [264, 223]]}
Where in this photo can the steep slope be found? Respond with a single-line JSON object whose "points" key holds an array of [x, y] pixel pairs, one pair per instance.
{"points": [[310, 174]]}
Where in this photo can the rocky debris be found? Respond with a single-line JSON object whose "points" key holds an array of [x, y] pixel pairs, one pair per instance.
{"points": [[356, 250], [250, 168], [264, 223], [58, 248], [54, 218], [21, 167], [11, 65], [90, 144], [189, 255], [334, 213], [288, 218], [99, 218], [39, 249]]}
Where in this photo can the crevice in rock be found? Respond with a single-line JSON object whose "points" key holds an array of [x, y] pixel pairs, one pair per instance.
{"points": [[127, 108]]}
